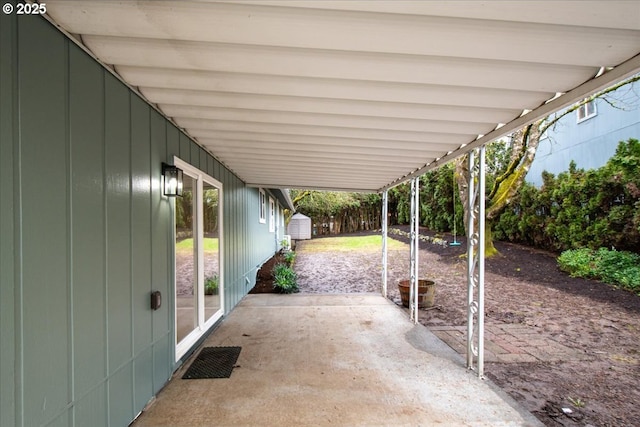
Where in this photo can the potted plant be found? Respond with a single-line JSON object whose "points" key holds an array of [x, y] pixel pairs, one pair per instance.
{"points": [[211, 285], [426, 292]]}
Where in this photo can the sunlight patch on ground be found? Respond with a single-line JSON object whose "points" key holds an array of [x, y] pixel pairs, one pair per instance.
{"points": [[186, 245], [371, 243]]}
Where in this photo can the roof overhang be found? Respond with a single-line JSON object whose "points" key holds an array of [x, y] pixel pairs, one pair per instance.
{"points": [[283, 197], [354, 95]]}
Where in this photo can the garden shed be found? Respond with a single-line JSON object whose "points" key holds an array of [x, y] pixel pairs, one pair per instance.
{"points": [[299, 227]]}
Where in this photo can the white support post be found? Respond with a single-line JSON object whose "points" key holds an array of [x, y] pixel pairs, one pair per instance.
{"points": [[470, 221], [481, 234], [384, 220], [413, 264], [475, 260]]}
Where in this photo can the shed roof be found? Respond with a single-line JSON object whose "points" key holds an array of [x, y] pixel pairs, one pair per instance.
{"points": [[354, 95], [299, 216]]}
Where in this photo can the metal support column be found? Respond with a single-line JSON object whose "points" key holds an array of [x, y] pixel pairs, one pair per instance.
{"points": [[475, 260], [413, 264], [384, 221]]}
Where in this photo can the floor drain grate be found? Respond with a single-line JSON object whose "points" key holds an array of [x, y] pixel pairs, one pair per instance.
{"points": [[213, 362]]}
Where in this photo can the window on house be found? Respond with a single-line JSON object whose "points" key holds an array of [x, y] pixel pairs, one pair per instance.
{"points": [[586, 111], [263, 207], [272, 215]]}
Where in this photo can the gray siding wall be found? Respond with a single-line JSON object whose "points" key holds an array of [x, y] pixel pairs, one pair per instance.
{"points": [[592, 142], [263, 237], [87, 235]]}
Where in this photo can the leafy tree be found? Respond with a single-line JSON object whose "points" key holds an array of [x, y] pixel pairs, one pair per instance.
{"points": [[346, 212], [522, 151], [399, 204], [440, 206], [184, 212], [210, 208]]}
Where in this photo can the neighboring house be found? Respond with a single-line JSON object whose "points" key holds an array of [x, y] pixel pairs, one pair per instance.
{"points": [[589, 136], [88, 237]]}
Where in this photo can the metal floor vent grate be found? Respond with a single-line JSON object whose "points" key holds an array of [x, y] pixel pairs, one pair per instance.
{"points": [[213, 362]]}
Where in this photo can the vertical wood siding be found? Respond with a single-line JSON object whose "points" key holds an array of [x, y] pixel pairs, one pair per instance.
{"points": [[87, 235], [45, 296], [9, 236]]}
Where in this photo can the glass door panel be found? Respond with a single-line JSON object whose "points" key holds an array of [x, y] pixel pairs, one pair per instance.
{"points": [[186, 260], [211, 248], [199, 295]]}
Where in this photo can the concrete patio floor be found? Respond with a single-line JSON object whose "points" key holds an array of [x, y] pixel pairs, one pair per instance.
{"points": [[314, 360]]}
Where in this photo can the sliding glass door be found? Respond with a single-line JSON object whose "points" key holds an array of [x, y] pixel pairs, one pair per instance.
{"points": [[198, 260], [186, 251], [211, 249]]}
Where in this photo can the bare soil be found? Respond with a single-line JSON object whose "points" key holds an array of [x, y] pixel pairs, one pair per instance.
{"points": [[264, 279], [523, 287]]}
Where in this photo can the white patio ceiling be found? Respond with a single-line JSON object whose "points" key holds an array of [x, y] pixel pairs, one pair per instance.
{"points": [[354, 95]]}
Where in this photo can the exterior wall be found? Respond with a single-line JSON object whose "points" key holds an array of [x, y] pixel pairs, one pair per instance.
{"points": [[591, 142], [8, 363], [264, 239], [87, 235]]}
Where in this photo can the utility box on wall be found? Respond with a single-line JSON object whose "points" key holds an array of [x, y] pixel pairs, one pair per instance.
{"points": [[299, 227]]}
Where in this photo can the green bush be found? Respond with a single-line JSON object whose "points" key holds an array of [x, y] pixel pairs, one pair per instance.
{"points": [[618, 268], [289, 257], [578, 262], [593, 208], [211, 285], [284, 279], [436, 200]]}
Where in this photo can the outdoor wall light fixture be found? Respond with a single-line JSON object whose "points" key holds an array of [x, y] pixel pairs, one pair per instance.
{"points": [[171, 180]]}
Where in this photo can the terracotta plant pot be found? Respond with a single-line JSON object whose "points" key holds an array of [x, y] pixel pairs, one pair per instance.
{"points": [[426, 292]]}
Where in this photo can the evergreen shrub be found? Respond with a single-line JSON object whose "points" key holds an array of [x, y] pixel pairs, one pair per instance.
{"points": [[578, 208], [211, 285]]}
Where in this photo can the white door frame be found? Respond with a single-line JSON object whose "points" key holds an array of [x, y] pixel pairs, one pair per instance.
{"points": [[203, 324]]}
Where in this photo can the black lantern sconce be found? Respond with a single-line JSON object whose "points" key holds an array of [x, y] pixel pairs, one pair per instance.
{"points": [[171, 180]]}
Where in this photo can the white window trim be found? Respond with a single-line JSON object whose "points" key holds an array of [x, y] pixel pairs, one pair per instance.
{"points": [[203, 325], [262, 206], [272, 215], [584, 108]]}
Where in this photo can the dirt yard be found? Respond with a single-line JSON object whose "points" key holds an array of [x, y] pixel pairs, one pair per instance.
{"points": [[552, 341]]}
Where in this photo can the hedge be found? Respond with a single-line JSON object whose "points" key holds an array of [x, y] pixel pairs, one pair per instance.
{"points": [[580, 209]]}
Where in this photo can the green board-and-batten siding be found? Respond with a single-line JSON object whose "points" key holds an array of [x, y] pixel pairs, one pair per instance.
{"points": [[87, 235]]}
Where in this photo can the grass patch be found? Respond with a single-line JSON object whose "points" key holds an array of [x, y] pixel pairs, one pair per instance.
{"points": [[372, 243], [186, 245]]}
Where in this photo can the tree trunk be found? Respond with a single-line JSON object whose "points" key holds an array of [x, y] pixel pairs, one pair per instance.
{"points": [[489, 248], [525, 143]]}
